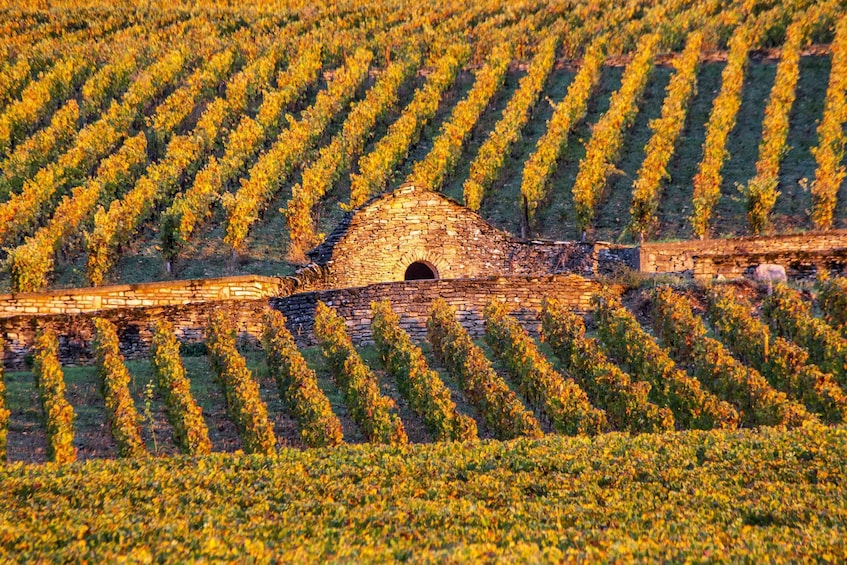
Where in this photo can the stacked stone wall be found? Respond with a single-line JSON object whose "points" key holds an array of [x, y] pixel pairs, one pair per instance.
{"points": [[412, 300], [168, 293], [736, 257]]}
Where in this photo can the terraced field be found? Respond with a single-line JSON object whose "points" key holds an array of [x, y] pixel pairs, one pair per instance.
{"points": [[226, 141]]}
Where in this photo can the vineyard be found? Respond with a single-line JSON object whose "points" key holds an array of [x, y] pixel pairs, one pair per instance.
{"points": [[142, 145], [690, 358], [764, 402], [542, 399]]}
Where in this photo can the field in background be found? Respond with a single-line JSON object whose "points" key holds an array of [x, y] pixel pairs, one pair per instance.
{"points": [[265, 125]]}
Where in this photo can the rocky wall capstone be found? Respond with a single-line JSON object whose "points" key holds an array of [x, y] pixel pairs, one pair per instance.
{"points": [[165, 293]]}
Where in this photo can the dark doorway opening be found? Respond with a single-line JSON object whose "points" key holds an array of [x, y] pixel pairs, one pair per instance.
{"points": [[420, 271]]}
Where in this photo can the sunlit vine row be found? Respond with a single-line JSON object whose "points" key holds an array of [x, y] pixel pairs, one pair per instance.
{"points": [[422, 388], [335, 159], [58, 414], [114, 385], [607, 137], [503, 412], [647, 188], [446, 150], [789, 316], [244, 405], [625, 401], [110, 81], [566, 114], [369, 408], [23, 210], [115, 226], [494, 152], [39, 149], [684, 334], [784, 364], [31, 263], [377, 167], [298, 385], [194, 205], [191, 435], [39, 99], [561, 399], [693, 406], [829, 151], [707, 181], [760, 191], [245, 205]]}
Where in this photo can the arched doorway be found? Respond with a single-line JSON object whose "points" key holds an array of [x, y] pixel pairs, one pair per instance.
{"points": [[420, 270]]}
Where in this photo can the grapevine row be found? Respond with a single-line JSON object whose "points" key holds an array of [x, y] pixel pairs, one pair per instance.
{"points": [[503, 412], [761, 191], [446, 150], [115, 226], [376, 167], [647, 188], [58, 413], [420, 386], [104, 86], [685, 335], [245, 205], [23, 210], [298, 385], [39, 99], [829, 152], [540, 166], [790, 317], [564, 402], [783, 363], [31, 263], [96, 140], [39, 149], [626, 402], [693, 406], [707, 181], [194, 205], [110, 81], [832, 299], [114, 385], [369, 408], [335, 159], [243, 403], [607, 137], [191, 435], [494, 152]]}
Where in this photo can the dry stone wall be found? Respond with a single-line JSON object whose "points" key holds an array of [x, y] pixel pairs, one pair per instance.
{"points": [[134, 329], [735, 257], [412, 300], [168, 293]]}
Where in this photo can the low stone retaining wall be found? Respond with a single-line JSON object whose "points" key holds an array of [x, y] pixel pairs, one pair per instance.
{"points": [[167, 293], [412, 300], [134, 329], [710, 257]]}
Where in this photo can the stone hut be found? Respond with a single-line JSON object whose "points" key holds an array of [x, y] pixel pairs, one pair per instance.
{"points": [[414, 233]]}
